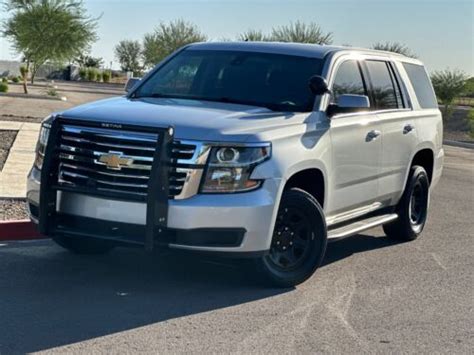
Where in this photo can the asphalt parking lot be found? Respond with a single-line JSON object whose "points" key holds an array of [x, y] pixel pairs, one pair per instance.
{"points": [[372, 295]]}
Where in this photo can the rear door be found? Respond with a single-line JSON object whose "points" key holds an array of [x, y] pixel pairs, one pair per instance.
{"points": [[397, 124], [356, 146]]}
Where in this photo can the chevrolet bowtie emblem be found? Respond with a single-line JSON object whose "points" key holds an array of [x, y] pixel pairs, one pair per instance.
{"points": [[115, 160]]}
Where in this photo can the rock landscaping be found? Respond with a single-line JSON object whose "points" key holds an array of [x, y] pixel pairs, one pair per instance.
{"points": [[6, 141], [12, 209]]}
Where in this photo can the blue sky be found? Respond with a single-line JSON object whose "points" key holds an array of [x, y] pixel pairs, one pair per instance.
{"points": [[441, 33]]}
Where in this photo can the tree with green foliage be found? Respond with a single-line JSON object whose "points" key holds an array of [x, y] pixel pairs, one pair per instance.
{"points": [[48, 30], [469, 87], [448, 85], [302, 33], [128, 53], [298, 32], [167, 38], [86, 61], [394, 47]]}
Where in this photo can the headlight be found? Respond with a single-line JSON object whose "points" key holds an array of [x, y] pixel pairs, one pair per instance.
{"points": [[42, 142], [230, 167]]}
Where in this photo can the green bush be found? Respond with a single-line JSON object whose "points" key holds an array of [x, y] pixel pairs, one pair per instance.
{"points": [[3, 87], [5, 80], [106, 76], [83, 73], [470, 117], [16, 79], [52, 92], [92, 74]]}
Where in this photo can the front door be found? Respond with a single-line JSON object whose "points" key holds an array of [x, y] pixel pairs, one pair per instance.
{"points": [[356, 148]]}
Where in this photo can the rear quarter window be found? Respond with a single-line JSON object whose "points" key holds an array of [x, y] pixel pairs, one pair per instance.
{"points": [[422, 85]]}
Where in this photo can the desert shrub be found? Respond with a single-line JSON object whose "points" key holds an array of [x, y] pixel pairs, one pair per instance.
{"points": [[3, 87], [83, 73], [16, 79], [92, 74], [52, 92], [106, 76], [5, 80], [470, 117]]}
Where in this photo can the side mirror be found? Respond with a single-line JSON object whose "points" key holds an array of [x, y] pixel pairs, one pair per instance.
{"points": [[318, 85], [131, 84], [348, 103]]}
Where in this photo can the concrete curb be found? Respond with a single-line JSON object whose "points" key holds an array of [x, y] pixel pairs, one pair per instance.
{"points": [[18, 230], [32, 96], [459, 144]]}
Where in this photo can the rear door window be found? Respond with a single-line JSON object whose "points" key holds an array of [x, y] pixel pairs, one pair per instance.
{"points": [[398, 90], [383, 87], [422, 85]]}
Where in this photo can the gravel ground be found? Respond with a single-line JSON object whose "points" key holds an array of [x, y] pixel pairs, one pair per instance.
{"points": [[6, 141], [12, 210]]}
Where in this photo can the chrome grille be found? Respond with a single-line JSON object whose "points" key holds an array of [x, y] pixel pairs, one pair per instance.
{"points": [[80, 161]]}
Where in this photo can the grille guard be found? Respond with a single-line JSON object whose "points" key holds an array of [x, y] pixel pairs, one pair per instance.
{"points": [[158, 184]]}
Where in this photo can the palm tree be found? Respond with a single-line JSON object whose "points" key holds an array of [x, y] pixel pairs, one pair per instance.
{"points": [[302, 33], [253, 36], [395, 47]]}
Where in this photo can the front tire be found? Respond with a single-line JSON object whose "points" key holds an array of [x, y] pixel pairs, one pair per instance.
{"points": [[299, 240], [83, 246], [412, 209]]}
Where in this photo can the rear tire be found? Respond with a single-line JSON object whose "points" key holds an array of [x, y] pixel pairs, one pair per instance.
{"points": [[412, 209], [298, 243], [84, 246]]}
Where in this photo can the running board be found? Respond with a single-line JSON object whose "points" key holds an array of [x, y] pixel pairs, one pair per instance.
{"points": [[359, 226]]}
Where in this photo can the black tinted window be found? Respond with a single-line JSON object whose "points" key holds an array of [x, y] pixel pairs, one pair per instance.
{"points": [[398, 89], [348, 80], [422, 85], [382, 85], [279, 82]]}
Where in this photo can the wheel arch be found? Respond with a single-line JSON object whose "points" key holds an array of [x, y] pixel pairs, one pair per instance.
{"points": [[425, 157], [311, 179]]}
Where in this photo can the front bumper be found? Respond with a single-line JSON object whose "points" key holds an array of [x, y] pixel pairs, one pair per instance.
{"points": [[250, 214]]}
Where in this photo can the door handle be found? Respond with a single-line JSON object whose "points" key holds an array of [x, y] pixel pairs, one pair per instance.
{"points": [[372, 135], [408, 128]]}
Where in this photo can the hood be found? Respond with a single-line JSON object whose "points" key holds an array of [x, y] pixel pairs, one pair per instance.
{"points": [[191, 119]]}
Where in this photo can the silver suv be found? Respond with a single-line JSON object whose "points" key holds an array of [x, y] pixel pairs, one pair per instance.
{"points": [[263, 150]]}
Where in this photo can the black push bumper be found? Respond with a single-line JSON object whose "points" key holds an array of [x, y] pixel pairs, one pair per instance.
{"points": [[51, 222]]}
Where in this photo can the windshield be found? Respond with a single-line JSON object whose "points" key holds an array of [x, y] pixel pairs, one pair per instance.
{"points": [[278, 82]]}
